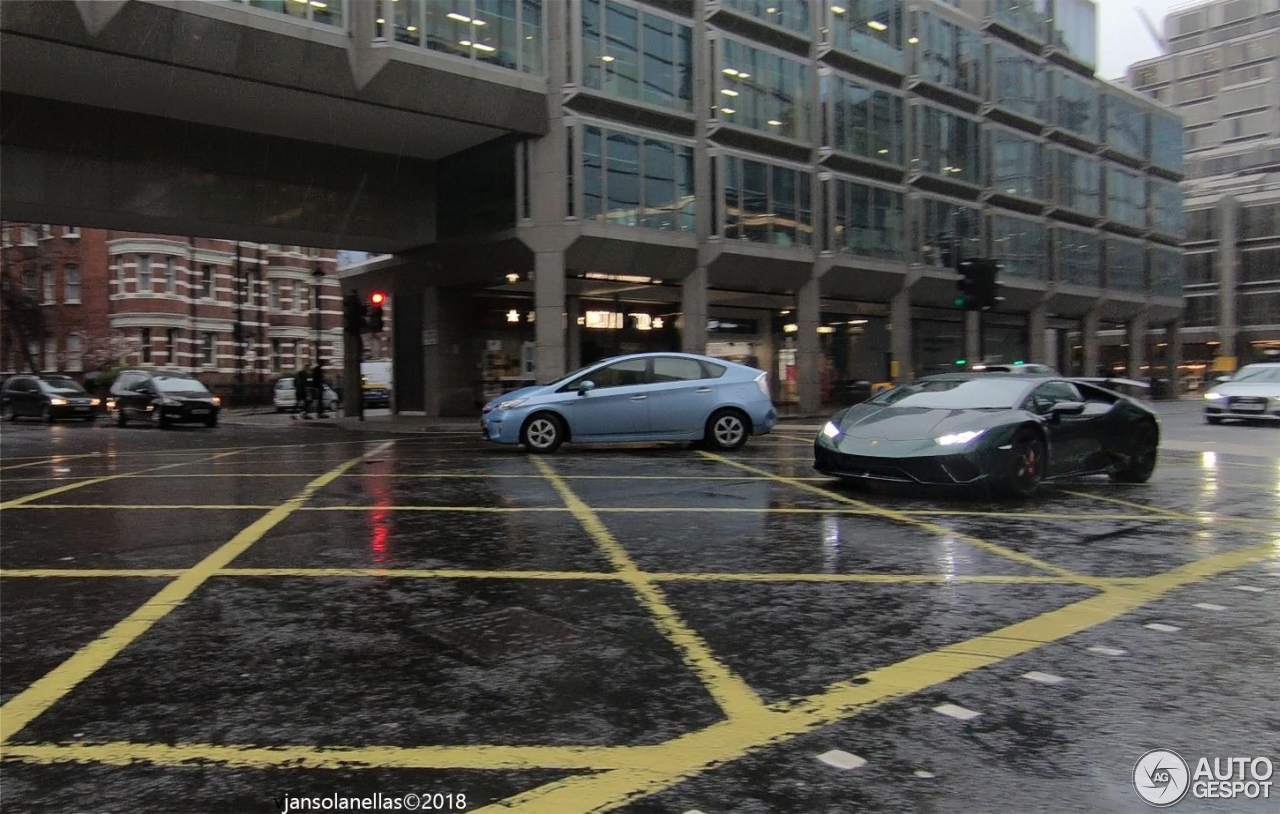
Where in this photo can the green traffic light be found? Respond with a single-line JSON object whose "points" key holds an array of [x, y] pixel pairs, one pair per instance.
{"points": [[1018, 364], [962, 362], [960, 301]]}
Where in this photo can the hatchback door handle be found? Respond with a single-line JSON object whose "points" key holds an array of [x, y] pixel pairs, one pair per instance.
{"points": [[703, 390], [639, 398]]}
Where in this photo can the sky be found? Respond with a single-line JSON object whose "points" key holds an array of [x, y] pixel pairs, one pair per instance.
{"points": [[1122, 37]]}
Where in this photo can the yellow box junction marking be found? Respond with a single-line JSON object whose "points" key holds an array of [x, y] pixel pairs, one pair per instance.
{"points": [[735, 697], [29, 704], [57, 490]]}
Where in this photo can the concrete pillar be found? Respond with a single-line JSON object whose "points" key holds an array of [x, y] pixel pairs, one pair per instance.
{"points": [[1039, 349], [1091, 355], [574, 307], [808, 349], [1173, 356], [1136, 335], [1226, 261], [695, 305], [432, 359], [900, 336], [972, 337], [548, 300]]}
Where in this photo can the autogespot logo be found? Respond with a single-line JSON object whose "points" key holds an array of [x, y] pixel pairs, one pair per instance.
{"points": [[1161, 777]]}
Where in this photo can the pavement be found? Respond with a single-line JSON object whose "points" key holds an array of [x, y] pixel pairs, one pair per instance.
{"points": [[267, 617]]}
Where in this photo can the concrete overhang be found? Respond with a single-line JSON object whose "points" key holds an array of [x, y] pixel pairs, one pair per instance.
{"points": [[866, 280], [745, 266], [625, 250]]}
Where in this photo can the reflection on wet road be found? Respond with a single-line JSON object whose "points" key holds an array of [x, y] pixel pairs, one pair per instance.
{"points": [[209, 620]]}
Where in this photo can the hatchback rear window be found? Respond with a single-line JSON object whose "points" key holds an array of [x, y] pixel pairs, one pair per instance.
{"points": [[712, 370]]}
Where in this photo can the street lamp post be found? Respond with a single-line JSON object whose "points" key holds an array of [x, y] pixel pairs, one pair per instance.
{"points": [[317, 275]]}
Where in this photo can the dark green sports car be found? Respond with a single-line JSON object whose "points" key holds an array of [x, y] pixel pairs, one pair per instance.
{"points": [[1009, 432]]}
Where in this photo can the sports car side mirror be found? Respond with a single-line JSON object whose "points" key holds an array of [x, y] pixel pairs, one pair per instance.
{"points": [[585, 386], [1067, 408]]}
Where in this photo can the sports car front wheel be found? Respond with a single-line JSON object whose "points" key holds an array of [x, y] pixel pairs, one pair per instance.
{"points": [[1026, 466], [1137, 468]]}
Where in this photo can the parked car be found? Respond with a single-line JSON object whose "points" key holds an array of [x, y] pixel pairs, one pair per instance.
{"points": [[1007, 431], [285, 397], [1252, 394], [48, 398], [641, 397], [163, 397], [376, 394]]}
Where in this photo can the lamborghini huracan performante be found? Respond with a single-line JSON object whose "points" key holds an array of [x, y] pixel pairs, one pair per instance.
{"points": [[1008, 432]]}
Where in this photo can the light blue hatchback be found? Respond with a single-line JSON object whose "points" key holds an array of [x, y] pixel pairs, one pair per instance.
{"points": [[642, 397]]}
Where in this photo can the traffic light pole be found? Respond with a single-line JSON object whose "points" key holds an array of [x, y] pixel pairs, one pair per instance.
{"points": [[352, 387]]}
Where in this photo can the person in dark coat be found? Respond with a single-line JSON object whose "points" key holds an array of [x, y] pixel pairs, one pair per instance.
{"points": [[317, 388], [300, 391]]}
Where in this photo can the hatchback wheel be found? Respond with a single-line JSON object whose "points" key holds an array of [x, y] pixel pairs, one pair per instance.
{"points": [[543, 433], [120, 419], [726, 430]]}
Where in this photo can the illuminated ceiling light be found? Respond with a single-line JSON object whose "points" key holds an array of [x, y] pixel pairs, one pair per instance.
{"points": [[462, 18], [380, 21], [728, 92], [790, 328], [957, 169], [657, 322], [837, 9], [857, 322], [467, 43], [784, 313], [876, 25], [913, 41], [412, 28], [513, 277], [582, 320], [775, 123], [771, 10], [742, 75], [606, 58], [729, 71], [478, 22], [513, 315], [480, 46], [728, 110], [532, 315], [318, 4], [882, 152]]}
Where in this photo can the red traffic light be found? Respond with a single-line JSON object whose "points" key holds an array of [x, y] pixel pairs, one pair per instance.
{"points": [[378, 298]]}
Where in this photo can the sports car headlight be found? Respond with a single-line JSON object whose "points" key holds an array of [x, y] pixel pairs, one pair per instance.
{"points": [[511, 405], [1214, 396], [830, 429], [958, 438]]}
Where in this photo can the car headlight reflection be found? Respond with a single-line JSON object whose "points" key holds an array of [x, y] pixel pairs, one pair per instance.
{"points": [[958, 438], [1214, 396], [511, 404], [830, 429]]}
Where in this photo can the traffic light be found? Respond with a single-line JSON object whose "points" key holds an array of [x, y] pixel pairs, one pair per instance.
{"points": [[375, 311], [353, 314], [978, 285]]}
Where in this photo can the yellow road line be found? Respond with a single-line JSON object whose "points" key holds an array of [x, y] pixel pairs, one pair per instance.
{"points": [[1142, 507], [57, 490], [792, 438], [625, 774], [1161, 513], [121, 507], [56, 459], [688, 756], [420, 573], [735, 697], [29, 704], [889, 514], [35, 573]]}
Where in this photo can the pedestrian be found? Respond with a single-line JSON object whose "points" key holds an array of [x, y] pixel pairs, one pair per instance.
{"points": [[300, 391], [317, 388]]}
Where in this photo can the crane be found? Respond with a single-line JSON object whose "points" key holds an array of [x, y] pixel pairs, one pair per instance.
{"points": [[1153, 31]]}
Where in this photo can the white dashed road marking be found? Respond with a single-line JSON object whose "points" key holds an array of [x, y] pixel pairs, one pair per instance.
{"points": [[1210, 606], [1163, 628], [1107, 651], [1043, 678], [841, 759], [921, 773], [957, 712], [1253, 589]]}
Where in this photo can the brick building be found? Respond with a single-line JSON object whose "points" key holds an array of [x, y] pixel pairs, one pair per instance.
{"points": [[234, 313]]}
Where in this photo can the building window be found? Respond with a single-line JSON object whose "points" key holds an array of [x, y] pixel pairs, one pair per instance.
{"points": [[251, 288], [637, 55], [71, 281], [947, 54], [275, 295], [1166, 208], [1126, 197], [764, 203], [170, 277], [70, 231], [207, 278], [1125, 265], [949, 144], [864, 121], [298, 305], [1201, 311], [50, 353], [28, 236], [1022, 246], [628, 180], [209, 349], [1168, 272], [1078, 182], [1259, 221], [30, 288], [1078, 106], [46, 231], [277, 363], [1075, 30], [763, 91], [171, 345], [1126, 127], [1019, 83], [144, 273], [75, 353], [50, 286], [872, 29], [1166, 142], [146, 346], [506, 33], [868, 222], [945, 228], [1077, 257], [1016, 165]]}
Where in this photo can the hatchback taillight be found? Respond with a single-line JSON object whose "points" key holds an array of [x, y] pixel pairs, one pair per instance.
{"points": [[762, 381]]}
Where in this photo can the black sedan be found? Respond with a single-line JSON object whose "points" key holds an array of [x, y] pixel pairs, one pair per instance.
{"points": [[1005, 431], [47, 398], [164, 398]]}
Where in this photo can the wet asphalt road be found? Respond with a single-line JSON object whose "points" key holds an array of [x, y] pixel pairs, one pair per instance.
{"points": [[205, 621]]}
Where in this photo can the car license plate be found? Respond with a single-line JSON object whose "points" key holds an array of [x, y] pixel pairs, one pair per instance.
{"points": [[82, 409], [199, 412], [1249, 408]]}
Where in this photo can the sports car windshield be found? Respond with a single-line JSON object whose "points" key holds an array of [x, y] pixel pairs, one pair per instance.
{"points": [[963, 394]]}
